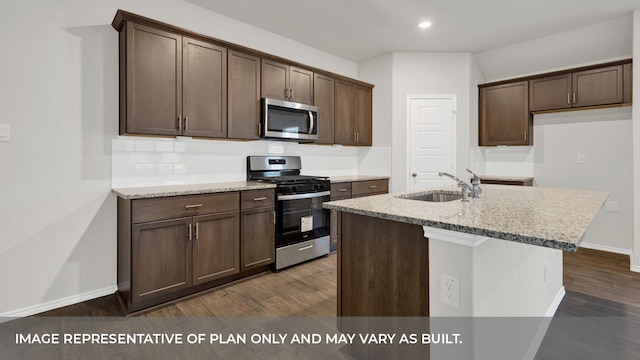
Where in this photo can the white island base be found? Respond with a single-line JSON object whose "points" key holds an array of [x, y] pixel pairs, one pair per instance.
{"points": [[496, 278]]}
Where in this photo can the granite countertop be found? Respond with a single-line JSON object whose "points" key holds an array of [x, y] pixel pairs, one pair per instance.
{"points": [[505, 178], [351, 178], [191, 189], [555, 218]]}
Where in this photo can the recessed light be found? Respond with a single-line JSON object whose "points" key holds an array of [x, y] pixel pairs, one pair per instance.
{"points": [[424, 24]]}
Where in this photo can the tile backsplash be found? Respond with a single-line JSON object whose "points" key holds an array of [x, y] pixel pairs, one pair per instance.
{"points": [[140, 161]]}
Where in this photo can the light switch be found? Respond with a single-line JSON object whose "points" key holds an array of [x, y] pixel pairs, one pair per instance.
{"points": [[5, 132], [582, 159]]}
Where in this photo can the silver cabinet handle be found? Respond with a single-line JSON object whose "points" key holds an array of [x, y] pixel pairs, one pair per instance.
{"points": [[192, 206], [305, 248], [259, 198], [568, 99], [189, 231], [196, 226], [373, 186], [179, 123], [574, 98], [342, 190], [186, 118]]}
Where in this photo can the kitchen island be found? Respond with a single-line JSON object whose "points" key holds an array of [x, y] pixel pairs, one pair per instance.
{"points": [[500, 255]]}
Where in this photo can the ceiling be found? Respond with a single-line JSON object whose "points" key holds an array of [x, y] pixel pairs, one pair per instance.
{"points": [[361, 29]]}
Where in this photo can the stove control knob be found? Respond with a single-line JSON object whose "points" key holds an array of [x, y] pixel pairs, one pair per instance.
{"points": [[293, 189]]}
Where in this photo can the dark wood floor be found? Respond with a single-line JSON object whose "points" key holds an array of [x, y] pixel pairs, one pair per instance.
{"points": [[597, 283]]}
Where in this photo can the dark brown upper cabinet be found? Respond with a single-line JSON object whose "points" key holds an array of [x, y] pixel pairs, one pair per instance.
{"points": [[171, 85], [353, 114], [504, 115], [323, 98], [177, 82], [600, 86], [244, 96], [286, 82]]}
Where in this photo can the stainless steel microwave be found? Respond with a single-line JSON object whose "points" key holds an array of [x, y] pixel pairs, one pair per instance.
{"points": [[288, 120]]}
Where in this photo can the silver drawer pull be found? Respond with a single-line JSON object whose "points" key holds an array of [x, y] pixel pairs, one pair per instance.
{"points": [[192, 206], [259, 199], [342, 190], [305, 248], [373, 186]]}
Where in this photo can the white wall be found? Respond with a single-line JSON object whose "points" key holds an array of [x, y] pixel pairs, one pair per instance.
{"points": [[604, 138], [430, 74], [59, 94], [635, 258], [591, 44], [603, 134]]}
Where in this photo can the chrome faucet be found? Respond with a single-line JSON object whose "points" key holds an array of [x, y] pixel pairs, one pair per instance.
{"points": [[465, 187], [476, 190]]}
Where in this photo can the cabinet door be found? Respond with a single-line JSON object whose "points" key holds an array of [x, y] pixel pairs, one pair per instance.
{"points": [[550, 93], [344, 100], [204, 89], [160, 258], [244, 96], [258, 237], [300, 85], [598, 86], [362, 121], [275, 80], [216, 246], [504, 115], [323, 92], [153, 81]]}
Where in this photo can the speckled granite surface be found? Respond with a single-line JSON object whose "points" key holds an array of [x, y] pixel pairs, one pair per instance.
{"points": [[351, 178], [555, 218], [175, 190], [505, 178]]}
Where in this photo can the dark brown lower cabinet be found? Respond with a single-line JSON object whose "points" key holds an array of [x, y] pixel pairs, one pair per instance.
{"points": [[258, 237], [216, 246], [176, 246], [348, 190], [163, 260]]}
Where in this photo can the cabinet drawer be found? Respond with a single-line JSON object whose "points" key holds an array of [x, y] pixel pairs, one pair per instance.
{"points": [[145, 210], [251, 199], [370, 187], [341, 191]]}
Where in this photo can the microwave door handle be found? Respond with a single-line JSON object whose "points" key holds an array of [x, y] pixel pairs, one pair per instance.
{"points": [[312, 122]]}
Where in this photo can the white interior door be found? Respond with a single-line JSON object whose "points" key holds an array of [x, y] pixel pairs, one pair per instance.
{"points": [[431, 145]]}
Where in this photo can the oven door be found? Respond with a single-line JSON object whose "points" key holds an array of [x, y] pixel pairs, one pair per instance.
{"points": [[300, 217]]}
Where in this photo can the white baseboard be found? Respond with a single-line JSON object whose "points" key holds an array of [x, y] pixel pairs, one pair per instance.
{"points": [[610, 249], [632, 267], [54, 304], [556, 302], [544, 325]]}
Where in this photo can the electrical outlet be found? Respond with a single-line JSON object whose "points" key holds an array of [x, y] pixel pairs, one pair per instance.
{"points": [[450, 290]]}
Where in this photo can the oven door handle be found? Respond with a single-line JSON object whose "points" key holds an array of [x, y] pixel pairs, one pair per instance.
{"points": [[304, 196]]}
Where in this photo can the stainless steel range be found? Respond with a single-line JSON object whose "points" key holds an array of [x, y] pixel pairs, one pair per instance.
{"points": [[302, 225]]}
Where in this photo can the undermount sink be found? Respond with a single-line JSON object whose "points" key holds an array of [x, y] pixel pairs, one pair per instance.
{"points": [[436, 196]]}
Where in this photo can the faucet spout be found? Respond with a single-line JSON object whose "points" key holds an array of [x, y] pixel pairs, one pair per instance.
{"points": [[465, 187], [476, 190]]}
